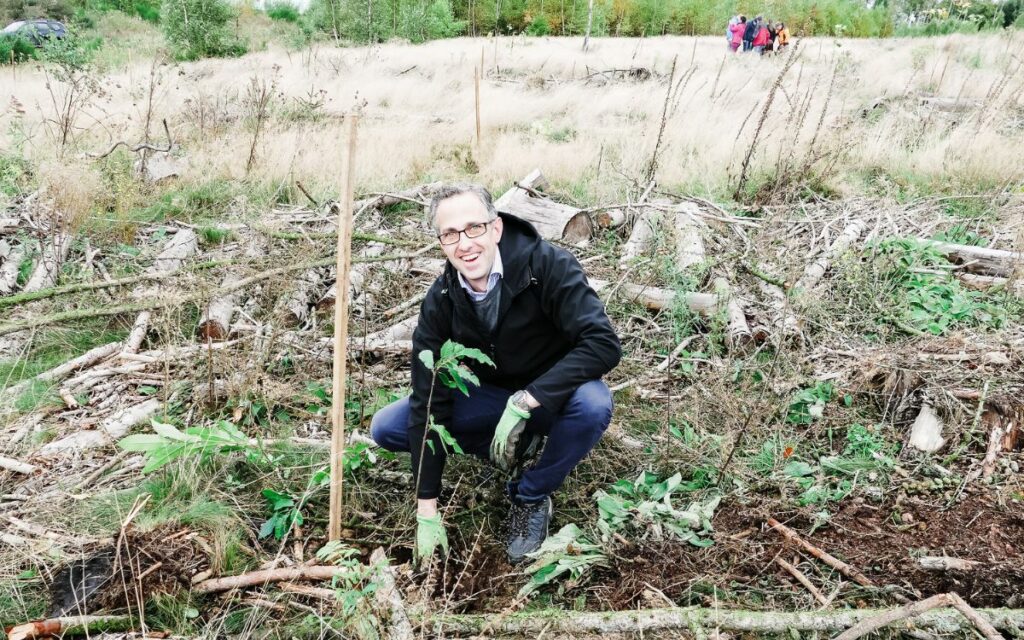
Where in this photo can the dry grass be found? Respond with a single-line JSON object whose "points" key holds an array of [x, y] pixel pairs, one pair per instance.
{"points": [[417, 103]]}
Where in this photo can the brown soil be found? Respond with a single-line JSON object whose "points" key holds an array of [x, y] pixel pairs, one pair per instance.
{"points": [[122, 575]]}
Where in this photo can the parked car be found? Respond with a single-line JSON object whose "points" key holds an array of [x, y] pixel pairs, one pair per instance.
{"points": [[36, 31]]}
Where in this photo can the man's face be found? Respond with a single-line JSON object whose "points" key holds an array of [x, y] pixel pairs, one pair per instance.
{"points": [[472, 257]]}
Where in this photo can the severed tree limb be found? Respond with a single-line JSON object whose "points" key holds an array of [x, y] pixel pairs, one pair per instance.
{"points": [[69, 626], [814, 271], [17, 466], [215, 322], [982, 260], [914, 609], [824, 556], [257, 578], [532, 623], [802, 579]]}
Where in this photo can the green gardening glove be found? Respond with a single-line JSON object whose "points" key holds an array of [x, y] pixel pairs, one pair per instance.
{"points": [[506, 436], [429, 534]]}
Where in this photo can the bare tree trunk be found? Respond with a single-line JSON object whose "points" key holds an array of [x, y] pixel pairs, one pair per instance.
{"points": [[590, 22]]}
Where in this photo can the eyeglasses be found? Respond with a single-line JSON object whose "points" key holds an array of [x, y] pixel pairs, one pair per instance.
{"points": [[474, 230]]}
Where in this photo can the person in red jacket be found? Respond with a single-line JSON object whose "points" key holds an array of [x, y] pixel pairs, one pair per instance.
{"points": [[737, 33], [761, 39]]}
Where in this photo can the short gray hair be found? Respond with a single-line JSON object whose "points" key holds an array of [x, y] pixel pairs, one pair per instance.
{"points": [[452, 190]]}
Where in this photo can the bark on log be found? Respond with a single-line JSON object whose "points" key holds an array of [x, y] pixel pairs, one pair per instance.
{"points": [[258, 578], [17, 466], [657, 298], [70, 626], [359, 296], [293, 308], [814, 271], [984, 283], [389, 598], [54, 252], [981, 260], [738, 336], [644, 230], [687, 228], [109, 431], [553, 220], [532, 623], [9, 270], [215, 323]]}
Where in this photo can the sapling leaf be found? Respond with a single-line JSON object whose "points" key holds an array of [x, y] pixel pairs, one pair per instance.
{"points": [[427, 358]]}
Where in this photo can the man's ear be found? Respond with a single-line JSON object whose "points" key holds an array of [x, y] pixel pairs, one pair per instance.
{"points": [[498, 227]]}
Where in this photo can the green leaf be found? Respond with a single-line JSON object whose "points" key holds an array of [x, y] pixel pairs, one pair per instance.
{"points": [[427, 358], [142, 442], [798, 469], [171, 432]]}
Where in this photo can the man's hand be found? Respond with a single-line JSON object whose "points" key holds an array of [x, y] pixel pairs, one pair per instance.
{"points": [[506, 436], [429, 534]]}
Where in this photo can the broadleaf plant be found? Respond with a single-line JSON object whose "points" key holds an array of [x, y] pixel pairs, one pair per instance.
{"points": [[644, 507], [565, 558]]}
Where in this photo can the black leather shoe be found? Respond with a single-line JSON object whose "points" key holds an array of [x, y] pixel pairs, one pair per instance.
{"points": [[527, 527]]}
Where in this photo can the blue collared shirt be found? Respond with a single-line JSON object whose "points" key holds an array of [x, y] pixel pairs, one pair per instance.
{"points": [[497, 273]]}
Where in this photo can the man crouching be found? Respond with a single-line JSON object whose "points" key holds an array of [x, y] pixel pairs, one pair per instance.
{"points": [[527, 305]]}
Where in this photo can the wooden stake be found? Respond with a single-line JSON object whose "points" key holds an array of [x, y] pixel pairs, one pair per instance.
{"points": [[477, 83], [344, 259]]}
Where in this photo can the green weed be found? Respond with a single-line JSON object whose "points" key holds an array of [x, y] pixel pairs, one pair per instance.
{"points": [[564, 558], [645, 506]]}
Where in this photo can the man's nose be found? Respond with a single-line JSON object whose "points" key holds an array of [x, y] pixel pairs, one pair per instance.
{"points": [[465, 242]]}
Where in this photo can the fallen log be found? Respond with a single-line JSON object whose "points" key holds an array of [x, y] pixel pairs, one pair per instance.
{"points": [[814, 271], [644, 230], [980, 260], [738, 335], [109, 431], [266, 576], [535, 622], [293, 308], [69, 626], [215, 323], [17, 466], [9, 270], [984, 283], [689, 241], [553, 220], [53, 253], [389, 598], [657, 298]]}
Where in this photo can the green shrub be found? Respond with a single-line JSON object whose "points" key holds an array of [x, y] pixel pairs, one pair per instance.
{"points": [[16, 49], [199, 28], [539, 26], [283, 11]]}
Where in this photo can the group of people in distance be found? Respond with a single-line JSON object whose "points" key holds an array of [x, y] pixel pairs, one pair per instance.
{"points": [[757, 35]]}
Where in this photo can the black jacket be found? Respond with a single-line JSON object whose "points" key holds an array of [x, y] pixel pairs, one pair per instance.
{"points": [[552, 336], [751, 30]]}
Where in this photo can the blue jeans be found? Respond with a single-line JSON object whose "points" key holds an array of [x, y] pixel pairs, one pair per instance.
{"points": [[571, 434]]}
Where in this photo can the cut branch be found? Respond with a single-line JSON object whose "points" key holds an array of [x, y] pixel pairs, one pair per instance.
{"points": [[72, 626], [825, 557], [814, 271], [553, 220], [257, 578]]}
